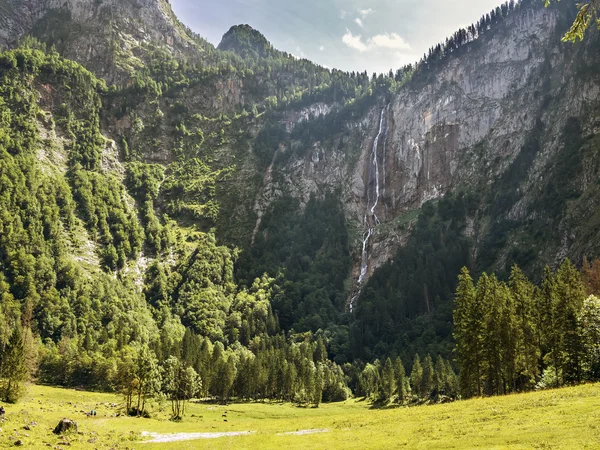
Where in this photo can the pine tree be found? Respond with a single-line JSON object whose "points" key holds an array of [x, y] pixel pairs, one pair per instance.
{"points": [[452, 385], [428, 378], [13, 371], [509, 332], [416, 376], [388, 380], [527, 346], [548, 332], [570, 298], [318, 385], [440, 378], [401, 381], [488, 296], [468, 332]]}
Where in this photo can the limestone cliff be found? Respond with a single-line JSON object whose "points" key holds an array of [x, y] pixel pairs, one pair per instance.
{"points": [[461, 128]]}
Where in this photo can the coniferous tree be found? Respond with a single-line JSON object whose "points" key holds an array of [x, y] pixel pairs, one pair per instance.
{"points": [[416, 376], [388, 380], [428, 378], [13, 371], [570, 297], [527, 346], [508, 339], [402, 387], [547, 327], [440, 378], [488, 295], [468, 334]]}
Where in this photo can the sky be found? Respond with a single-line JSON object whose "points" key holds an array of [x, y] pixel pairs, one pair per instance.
{"points": [[372, 35]]}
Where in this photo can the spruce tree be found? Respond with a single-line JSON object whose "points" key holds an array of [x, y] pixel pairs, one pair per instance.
{"points": [[509, 332], [416, 376], [440, 377], [570, 298], [401, 381], [548, 332], [388, 380], [488, 296], [13, 371], [468, 334], [428, 378], [527, 346]]}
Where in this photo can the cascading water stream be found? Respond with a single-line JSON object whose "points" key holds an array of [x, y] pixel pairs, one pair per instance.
{"points": [[371, 220]]}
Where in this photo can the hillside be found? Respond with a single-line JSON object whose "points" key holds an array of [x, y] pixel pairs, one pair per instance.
{"points": [[162, 194]]}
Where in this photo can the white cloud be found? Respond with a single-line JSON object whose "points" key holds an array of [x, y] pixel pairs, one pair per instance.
{"points": [[343, 14], [389, 41], [322, 48], [365, 12], [359, 22], [354, 42]]}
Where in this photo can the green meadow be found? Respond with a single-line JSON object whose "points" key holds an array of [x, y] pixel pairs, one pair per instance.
{"points": [[566, 418]]}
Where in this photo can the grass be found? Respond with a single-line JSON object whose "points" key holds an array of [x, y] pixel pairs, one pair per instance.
{"points": [[557, 419]]}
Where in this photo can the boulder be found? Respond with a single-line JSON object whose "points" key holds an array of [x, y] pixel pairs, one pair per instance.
{"points": [[65, 426]]}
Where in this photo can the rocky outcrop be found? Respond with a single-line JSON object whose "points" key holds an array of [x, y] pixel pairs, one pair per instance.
{"points": [[459, 127], [105, 36]]}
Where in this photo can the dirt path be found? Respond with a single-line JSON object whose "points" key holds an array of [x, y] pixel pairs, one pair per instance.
{"points": [[302, 432], [175, 437]]}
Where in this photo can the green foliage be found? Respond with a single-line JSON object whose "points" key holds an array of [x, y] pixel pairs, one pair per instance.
{"points": [[311, 267], [408, 301], [513, 337], [588, 13], [180, 383], [13, 371]]}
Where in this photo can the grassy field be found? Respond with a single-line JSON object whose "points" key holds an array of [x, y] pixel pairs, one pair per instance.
{"points": [[559, 419]]}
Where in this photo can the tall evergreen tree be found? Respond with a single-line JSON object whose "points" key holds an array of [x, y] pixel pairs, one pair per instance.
{"points": [[440, 377], [488, 295], [416, 376], [570, 297], [527, 346], [428, 378], [547, 326], [402, 387], [388, 380], [468, 334], [13, 371]]}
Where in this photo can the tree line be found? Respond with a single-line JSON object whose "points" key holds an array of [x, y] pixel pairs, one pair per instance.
{"points": [[387, 381], [514, 336]]}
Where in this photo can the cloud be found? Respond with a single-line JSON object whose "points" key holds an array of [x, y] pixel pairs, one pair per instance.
{"points": [[322, 48], [343, 14], [389, 41], [354, 42], [365, 12], [359, 22]]}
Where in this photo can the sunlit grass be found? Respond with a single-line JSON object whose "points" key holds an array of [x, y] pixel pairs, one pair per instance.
{"points": [[559, 419]]}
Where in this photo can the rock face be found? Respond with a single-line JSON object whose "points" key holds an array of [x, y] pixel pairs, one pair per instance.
{"points": [[95, 33], [461, 128]]}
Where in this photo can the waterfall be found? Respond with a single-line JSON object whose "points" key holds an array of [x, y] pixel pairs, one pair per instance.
{"points": [[371, 220]]}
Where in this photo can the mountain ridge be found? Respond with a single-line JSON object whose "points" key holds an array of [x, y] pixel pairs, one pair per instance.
{"points": [[193, 153]]}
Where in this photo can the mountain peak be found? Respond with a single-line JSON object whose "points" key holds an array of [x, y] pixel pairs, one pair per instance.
{"points": [[246, 41]]}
